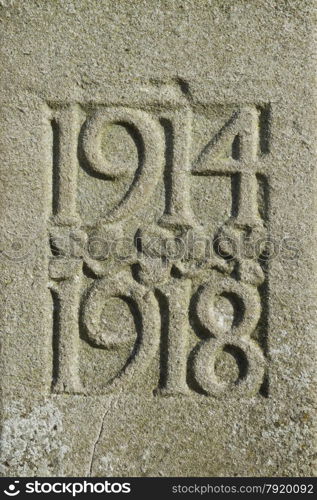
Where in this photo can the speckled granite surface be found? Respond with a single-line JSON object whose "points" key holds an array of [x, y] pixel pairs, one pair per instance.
{"points": [[158, 238]]}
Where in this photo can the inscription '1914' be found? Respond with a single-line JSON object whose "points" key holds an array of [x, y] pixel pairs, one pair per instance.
{"points": [[168, 296]]}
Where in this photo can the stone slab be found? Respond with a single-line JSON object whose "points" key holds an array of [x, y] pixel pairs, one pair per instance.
{"points": [[158, 238]]}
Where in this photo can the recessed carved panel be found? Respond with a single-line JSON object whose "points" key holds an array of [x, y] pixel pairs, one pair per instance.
{"points": [[157, 269]]}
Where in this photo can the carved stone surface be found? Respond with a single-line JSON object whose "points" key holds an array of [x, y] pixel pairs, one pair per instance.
{"points": [[158, 243]]}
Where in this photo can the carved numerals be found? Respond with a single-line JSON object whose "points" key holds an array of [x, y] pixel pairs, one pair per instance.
{"points": [[149, 140], [162, 294], [145, 308], [234, 339]]}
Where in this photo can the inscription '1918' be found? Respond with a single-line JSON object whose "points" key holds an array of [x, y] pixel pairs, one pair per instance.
{"points": [[167, 296]]}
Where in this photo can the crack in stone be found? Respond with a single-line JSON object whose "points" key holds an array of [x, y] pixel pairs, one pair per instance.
{"points": [[94, 448]]}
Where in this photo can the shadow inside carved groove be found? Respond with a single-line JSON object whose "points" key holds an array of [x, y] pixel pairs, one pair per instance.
{"points": [[169, 157], [231, 366], [164, 313], [139, 144], [55, 250], [184, 86], [83, 162], [235, 147], [261, 332], [56, 335], [201, 330], [190, 374], [264, 390], [263, 196], [264, 128], [88, 273], [137, 240], [55, 166], [175, 272], [235, 194], [136, 270]]}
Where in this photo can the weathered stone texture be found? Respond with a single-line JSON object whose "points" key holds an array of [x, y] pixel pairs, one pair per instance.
{"points": [[158, 239]]}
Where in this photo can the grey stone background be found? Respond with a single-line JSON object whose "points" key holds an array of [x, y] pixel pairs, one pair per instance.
{"points": [[216, 56]]}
